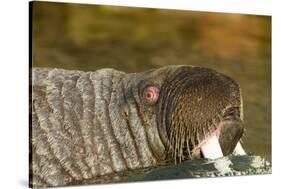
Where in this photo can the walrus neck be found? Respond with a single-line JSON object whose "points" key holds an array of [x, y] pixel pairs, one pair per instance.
{"points": [[142, 123]]}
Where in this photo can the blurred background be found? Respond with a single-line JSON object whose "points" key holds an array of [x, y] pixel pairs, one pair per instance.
{"points": [[90, 37]]}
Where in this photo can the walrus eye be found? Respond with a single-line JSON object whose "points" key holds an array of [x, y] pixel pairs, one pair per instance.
{"points": [[151, 94]]}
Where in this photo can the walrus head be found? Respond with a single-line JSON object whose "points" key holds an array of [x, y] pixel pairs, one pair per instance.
{"points": [[197, 112]]}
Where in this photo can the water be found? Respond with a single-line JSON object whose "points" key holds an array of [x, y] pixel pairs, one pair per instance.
{"points": [[226, 166], [133, 40], [200, 168]]}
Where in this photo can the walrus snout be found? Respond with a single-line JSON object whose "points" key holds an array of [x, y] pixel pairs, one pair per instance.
{"points": [[202, 113], [221, 142]]}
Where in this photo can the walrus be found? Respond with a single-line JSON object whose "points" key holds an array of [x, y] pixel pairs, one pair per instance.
{"points": [[88, 125]]}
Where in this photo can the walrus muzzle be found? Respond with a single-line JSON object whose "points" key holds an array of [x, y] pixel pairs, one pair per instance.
{"points": [[201, 113], [87, 125]]}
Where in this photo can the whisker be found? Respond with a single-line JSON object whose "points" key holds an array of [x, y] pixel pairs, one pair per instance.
{"points": [[182, 143]]}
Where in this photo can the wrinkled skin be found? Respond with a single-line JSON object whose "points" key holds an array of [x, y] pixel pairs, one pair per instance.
{"points": [[88, 125]]}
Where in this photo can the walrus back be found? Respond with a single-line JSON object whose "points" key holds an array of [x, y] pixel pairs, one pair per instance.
{"points": [[73, 137]]}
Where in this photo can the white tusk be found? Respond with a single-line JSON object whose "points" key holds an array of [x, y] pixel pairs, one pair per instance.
{"points": [[239, 150], [212, 149]]}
